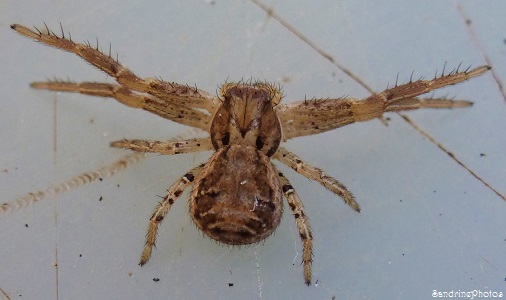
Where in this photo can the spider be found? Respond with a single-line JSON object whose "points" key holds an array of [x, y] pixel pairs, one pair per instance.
{"points": [[237, 195]]}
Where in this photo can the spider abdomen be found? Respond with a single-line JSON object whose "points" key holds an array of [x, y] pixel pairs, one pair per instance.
{"points": [[237, 200]]}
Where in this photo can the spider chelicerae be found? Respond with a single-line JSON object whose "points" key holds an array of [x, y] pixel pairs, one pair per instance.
{"points": [[237, 196]]}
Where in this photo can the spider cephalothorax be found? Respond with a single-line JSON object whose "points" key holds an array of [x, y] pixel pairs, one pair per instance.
{"points": [[247, 117]]}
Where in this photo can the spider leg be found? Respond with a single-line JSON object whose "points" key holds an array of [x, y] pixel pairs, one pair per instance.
{"points": [[319, 115], [420, 87], [162, 209], [302, 222], [69, 184], [167, 148], [168, 110], [303, 168], [183, 95]]}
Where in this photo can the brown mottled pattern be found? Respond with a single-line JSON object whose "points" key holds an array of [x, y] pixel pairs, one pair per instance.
{"points": [[237, 200]]}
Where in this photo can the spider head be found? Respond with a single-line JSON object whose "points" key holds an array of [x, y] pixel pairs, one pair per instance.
{"points": [[250, 98], [247, 116]]}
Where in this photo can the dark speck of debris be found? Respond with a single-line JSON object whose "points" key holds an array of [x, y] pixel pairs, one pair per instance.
{"points": [[117, 185], [468, 21], [101, 179], [100, 199], [230, 284], [434, 191], [26, 225], [80, 255], [482, 154], [286, 79], [156, 279]]}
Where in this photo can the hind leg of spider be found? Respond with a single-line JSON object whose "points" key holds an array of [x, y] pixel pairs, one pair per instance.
{"points": [[305, 169], [167, 148], [163, 208], [302, 225]]}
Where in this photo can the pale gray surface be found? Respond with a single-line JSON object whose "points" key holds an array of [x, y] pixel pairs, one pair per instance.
{"points": [[447, 233]]}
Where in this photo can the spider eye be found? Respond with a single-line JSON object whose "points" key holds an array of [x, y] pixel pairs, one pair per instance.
{"points": [[225, 139], [259, 143]]}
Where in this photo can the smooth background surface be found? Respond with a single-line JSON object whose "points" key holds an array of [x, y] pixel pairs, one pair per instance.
{"points": [[426, 224]]}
